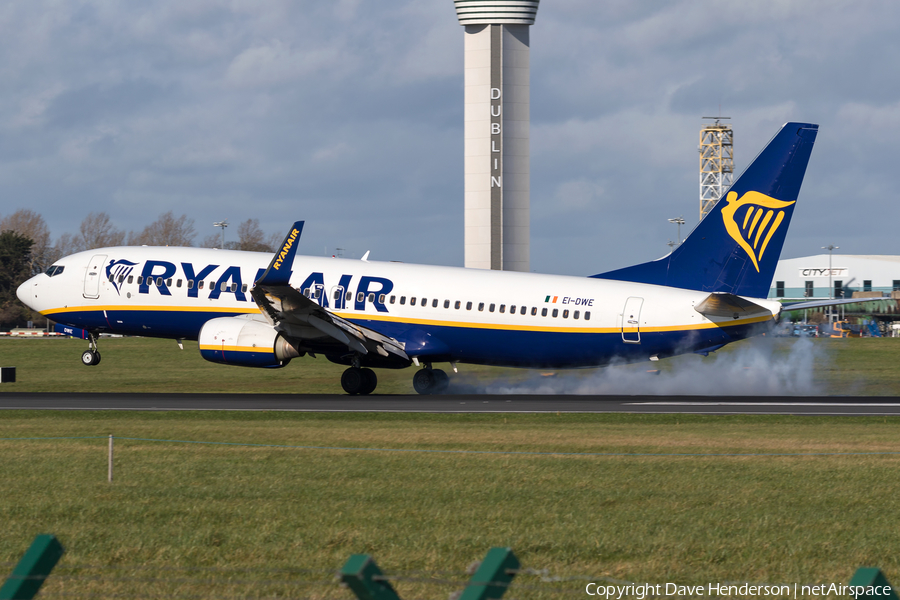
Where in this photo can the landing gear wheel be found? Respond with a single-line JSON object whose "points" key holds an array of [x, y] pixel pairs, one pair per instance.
{"points": [[441, 381], [370, 382], [423, 381], [353, 381], [90, 358]]}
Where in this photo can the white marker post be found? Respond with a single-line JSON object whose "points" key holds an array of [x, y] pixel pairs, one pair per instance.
{"points": [[110, 457]]}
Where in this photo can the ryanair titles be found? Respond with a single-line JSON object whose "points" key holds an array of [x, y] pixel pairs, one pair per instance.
{"points": [[217, 281], [289, 241]]}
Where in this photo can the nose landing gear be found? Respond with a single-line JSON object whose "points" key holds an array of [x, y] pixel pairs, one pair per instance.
{"points": [[91, 356]]}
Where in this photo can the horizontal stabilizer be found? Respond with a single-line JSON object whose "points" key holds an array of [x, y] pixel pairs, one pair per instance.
{"points": [[829, 302], [723, 304]]}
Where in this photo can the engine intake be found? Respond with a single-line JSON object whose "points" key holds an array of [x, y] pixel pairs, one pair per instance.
{"points": [[246, 343]]}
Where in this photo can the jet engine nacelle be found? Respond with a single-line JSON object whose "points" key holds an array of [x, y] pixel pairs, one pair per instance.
{"points": [[243, 342]]}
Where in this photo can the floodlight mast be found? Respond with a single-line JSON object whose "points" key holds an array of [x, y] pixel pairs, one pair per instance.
{"points": [[223, 224], [678, 221], [716, 162]]}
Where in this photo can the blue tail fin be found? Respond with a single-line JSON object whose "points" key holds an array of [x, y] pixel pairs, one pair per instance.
{"points": [[736, 247], [279, 271]]}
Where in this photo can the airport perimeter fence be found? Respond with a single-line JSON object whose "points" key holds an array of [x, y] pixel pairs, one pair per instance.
{"points": [[362, 579]]}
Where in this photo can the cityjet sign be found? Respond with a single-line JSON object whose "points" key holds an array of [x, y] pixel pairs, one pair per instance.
{"points": [[836, 272]]}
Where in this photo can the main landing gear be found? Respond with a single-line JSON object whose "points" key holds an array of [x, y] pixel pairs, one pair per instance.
{"points": [[430, 381], [91, 356], [359, 381]]}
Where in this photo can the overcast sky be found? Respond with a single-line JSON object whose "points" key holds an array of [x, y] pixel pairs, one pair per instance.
{"points": [[349, 114]]}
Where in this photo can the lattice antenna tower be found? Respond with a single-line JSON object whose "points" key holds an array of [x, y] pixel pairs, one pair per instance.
{"points": [[716, 162]]}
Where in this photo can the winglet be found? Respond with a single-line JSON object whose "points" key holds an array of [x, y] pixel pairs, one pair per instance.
{"points": [[279, 271]]}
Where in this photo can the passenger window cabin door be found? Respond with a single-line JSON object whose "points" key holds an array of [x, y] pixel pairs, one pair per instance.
{"points": [[631, 321], [93, 275]]}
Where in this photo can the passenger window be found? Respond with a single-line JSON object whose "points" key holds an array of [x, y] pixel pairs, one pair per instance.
{"points": [[575, 314], [381, 299], [446, 304], [111, 278], [349, 295], [393, 299], [402, 300], [243, 287], [199, 284], [468, 306], [140, 279], [131, 279], [434, 303], [371, 296], [533, 311], [306, 292], [159, 282], [424, 302], [457, 305], [121, 278], [503, 308], [543, 312], [360, 297], [169, 281], [481, 306], [337, 294], [233, 287], [555, 312], [512, 309], [223, 287], [566, 314], [491, 308], [318, 292], [587, 315], [212, 284], [524, 310], [190, 283]]}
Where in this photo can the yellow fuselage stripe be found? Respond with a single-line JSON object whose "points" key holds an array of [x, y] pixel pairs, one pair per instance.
{"points": [[429, 322]]}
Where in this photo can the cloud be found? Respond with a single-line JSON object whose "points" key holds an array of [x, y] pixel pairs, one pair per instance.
{"points": [[350, 113]]}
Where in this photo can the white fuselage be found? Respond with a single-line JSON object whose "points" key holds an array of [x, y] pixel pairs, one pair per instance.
{"points": [[439, 313]]}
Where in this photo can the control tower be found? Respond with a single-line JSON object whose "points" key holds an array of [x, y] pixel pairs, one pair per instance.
{"points": [[497, 214]]}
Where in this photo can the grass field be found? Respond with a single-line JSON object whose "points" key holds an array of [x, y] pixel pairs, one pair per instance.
{"points": [[687, 519], [775, 365], [194, 521]]}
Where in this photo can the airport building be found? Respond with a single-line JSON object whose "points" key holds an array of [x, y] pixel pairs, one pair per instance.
{"points": [[836, 276], [497, 106]]}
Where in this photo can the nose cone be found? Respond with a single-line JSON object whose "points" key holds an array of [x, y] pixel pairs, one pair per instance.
{"points": [[26, 294]]}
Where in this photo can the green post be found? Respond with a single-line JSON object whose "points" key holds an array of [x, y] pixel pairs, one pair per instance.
{"points": [[29, 575], [493, 576], [364, 579], [872, 577]]}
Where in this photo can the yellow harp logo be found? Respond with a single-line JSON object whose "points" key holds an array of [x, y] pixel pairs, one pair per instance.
{"points": [[759, 217]]}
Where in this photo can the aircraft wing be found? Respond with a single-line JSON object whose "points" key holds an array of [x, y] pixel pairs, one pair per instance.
{"points": [[305, 320]]}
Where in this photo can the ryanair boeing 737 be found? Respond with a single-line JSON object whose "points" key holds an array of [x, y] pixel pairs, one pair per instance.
{"points": [[254, 310]]}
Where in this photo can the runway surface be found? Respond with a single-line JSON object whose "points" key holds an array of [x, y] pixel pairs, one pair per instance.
{"points": [[707, 405]]}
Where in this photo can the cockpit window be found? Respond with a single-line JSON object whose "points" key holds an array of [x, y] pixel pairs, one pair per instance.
{"points": [[54, 270]]}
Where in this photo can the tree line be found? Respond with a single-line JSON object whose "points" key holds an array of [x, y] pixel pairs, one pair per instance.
{"points": [[26, 247]]}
